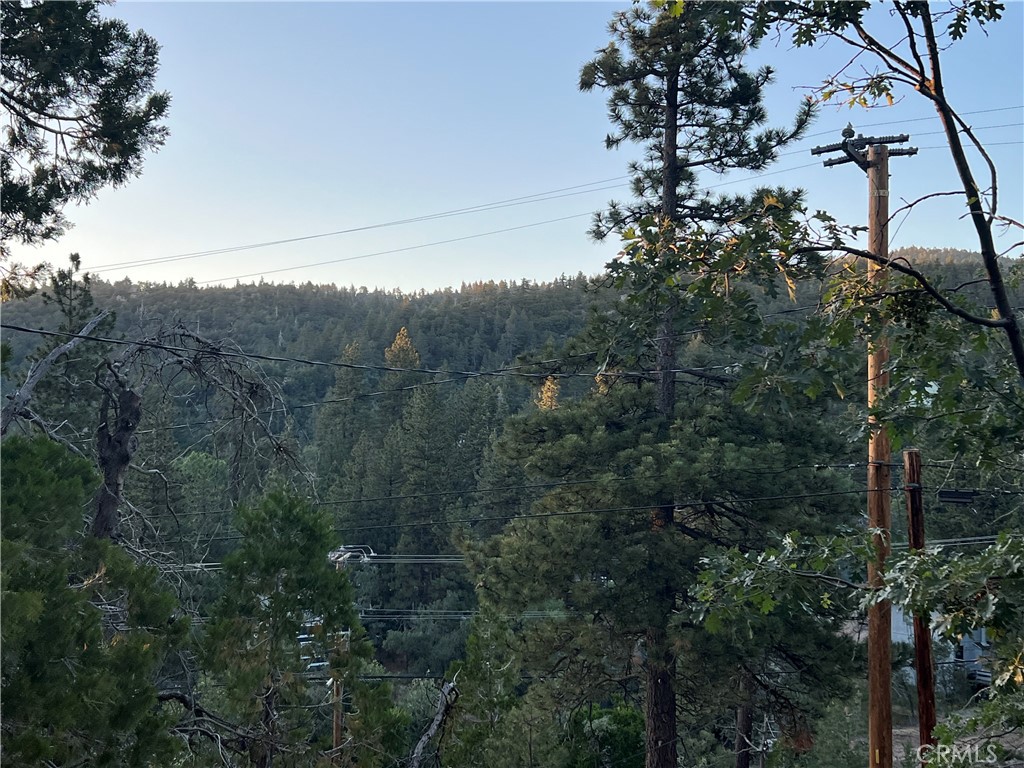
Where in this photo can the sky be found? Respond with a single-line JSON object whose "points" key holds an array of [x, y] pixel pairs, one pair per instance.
{"points": [[354, 125]]}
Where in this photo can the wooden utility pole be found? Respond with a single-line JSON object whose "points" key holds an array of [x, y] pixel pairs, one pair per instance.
{"points": [[923, 665], [879, 478], [872, 156], [338, 721]]}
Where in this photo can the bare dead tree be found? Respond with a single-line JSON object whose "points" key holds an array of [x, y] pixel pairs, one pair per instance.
{"points": [[157, 360]]}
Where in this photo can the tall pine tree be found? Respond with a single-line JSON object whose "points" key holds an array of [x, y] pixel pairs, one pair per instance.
{"points": [[678, 87]]}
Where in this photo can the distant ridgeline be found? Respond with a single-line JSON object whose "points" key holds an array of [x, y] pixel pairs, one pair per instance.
{"points": [[479, 327]]}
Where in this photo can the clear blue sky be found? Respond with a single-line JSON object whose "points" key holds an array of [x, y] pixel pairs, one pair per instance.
{"points": [[296, 119]]}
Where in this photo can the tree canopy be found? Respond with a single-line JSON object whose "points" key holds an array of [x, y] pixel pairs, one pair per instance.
{"points": [[81, 111]]}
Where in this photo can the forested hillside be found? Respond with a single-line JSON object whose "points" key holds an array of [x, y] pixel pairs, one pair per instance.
{"points": [[406, 456], [476, 328], [651, 517]]}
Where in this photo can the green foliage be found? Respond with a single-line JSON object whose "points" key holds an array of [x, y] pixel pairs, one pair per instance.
{"points": [[951, 362], [719, 274], [677, 86], [607, 735], [961, 592], [285, 612], [82, 112], [84, 627], [585, 581], [488, 682], [969, 592], [67, 397]]}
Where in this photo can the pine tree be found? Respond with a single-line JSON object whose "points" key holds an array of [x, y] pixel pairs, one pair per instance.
{"points": [[81, 113], [286, 611], [395, 387], [679, 88], [84, 628], [341, 420], [600, 571]]}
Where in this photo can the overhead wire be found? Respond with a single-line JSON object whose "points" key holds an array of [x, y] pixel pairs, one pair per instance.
{"points": [[462, 375], [483, 207], [455, 377], [458, 559], [917, 120], [576, 189], [390, 251], [473, 236], [523, 200], [276, 358], [404, 249], [512, 371], [526, 487], [589, 511]]}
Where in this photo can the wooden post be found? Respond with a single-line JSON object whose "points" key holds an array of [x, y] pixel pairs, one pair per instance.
{"points": [[876, 163], [923, 664], [879, 479], [338, 724]]}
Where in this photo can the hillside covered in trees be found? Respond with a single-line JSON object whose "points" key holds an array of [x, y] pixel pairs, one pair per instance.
{"points": [[617, 520], [419, 468]]}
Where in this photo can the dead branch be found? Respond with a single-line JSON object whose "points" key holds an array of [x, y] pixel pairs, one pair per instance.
{"points": [[445, 702], [222, 733], [169, 351], [17, 407]]}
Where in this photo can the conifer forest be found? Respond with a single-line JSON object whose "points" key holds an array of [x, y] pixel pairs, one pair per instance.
{"points": [[667, 514]]}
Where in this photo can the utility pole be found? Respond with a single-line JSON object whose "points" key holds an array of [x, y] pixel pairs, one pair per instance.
{"points": [[923, 666], [338, 720], [871, 155]]}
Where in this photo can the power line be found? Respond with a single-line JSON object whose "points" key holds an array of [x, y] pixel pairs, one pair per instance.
{"points": [[512, 371], [481, 207], [926, 133], [990, 493], [428, 614], [456, 559], [419, 246], [915, 120], [593, 511], [638, 508], [439, 559], [477, 235], [397, 250], [525, 487], [273, 358]]}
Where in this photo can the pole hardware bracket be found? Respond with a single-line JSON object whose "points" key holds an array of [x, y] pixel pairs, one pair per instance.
{"points": [[854, 148]]}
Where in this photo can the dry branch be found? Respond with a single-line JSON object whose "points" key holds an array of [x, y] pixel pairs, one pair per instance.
{"points": [[19, 400]]}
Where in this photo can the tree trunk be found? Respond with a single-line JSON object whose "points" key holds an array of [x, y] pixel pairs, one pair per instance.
{"points": [[264, 749], [115, 446], [745, 722], [660, 701]]}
